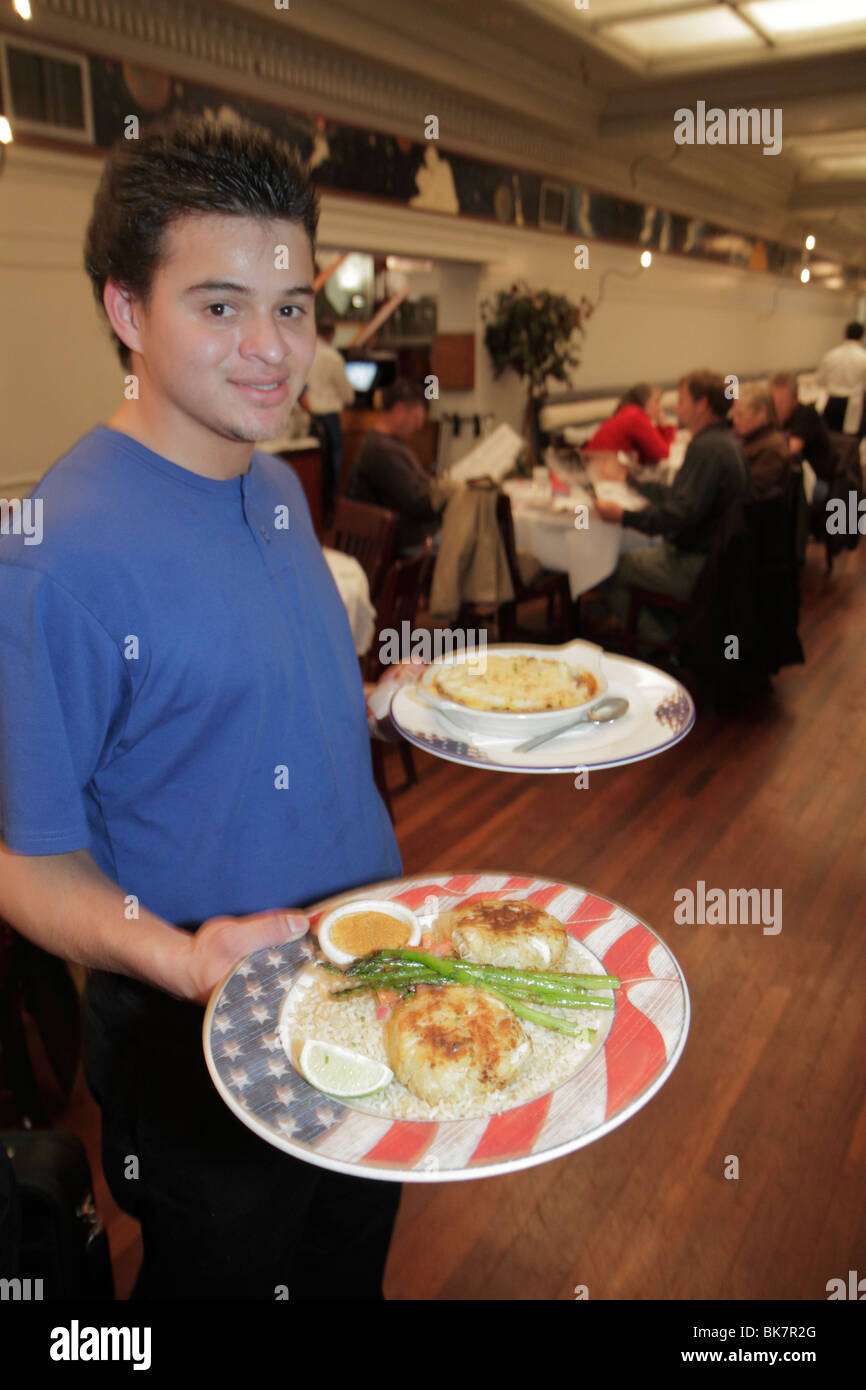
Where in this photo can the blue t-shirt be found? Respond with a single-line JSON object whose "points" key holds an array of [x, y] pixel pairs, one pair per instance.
{"points": [[179, 690]]}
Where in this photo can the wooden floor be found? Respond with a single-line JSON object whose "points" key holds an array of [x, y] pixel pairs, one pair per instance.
{"points": [[773, 1071]]}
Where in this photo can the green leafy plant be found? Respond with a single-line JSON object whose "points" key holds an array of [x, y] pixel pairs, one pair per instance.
{"points": [[535, 333]]}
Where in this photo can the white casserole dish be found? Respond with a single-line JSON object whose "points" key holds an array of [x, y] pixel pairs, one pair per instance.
{"points": [[517, 725]]}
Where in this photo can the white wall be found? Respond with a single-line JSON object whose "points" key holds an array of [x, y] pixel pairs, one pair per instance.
{"points": [[59, 374]]}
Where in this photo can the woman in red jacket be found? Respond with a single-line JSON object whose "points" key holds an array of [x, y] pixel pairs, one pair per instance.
{"points": [[637, 426]]}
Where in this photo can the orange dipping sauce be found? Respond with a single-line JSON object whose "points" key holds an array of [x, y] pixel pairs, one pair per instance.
{"points": [[361, 932]]}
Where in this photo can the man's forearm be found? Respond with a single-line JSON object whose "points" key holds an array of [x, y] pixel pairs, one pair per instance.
{"points": [[66, 905]]}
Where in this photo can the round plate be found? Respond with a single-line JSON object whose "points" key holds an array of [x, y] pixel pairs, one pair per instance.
{"points": [[643, 1044], [661, 712]]}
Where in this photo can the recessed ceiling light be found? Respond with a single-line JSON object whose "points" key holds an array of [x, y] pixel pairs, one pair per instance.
{"points": [[683, 33], [780, 17]]}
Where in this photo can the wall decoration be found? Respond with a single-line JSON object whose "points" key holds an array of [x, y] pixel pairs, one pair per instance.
{"points": [[421, 174]]}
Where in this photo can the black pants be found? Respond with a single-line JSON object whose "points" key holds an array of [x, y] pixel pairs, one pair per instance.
{"points": [[223, 1214], [834, 415]]}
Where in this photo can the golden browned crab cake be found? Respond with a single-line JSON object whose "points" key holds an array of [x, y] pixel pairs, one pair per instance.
{"points": [[509, 933], [454, 1044]]}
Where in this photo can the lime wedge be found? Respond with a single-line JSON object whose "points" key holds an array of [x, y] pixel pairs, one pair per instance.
{"points": [[339, 1072]]}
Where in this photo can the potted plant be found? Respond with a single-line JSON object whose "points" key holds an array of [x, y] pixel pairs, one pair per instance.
{"points": [[533, 333]]}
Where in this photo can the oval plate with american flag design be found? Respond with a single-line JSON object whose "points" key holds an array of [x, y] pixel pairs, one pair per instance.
{"points": [[642, 1045]]}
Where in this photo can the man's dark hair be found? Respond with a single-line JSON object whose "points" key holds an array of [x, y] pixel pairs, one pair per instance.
{"points": [[403, 391], [854, 330], [181, 166], [710, 387]]}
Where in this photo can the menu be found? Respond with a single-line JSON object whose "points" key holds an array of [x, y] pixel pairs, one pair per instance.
{"points": [[492, 457]]}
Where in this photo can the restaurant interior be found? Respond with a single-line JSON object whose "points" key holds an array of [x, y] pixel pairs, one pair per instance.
{"points": [[486, 174]]}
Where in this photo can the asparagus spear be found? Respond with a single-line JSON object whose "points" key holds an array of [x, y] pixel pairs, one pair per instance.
{"points": [[401, 970]]}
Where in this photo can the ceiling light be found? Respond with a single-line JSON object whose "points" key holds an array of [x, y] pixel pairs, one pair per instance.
{"points": [[22, 8], [792, 17], [810, 243], [5, 131], [685, 33], [351, 274], [804, 275], [646, 259]]}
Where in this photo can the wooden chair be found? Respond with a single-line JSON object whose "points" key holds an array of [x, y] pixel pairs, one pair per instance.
{"points": [[847, 477], [398, 601], [369, 534], [748, 588], [550, 584], [649, 598], [307, 464], [401, 592]]}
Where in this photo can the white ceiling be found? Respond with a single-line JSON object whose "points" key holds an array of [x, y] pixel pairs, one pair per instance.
{"points": [[664, 36], [603, 83]]}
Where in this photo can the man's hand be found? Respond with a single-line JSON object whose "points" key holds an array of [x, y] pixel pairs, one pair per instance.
{"points": [[222, 941], [379, 697], [609, 511]]}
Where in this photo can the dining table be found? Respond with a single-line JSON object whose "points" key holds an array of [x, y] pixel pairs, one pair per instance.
{"points": [[558, 522], [354, 590]]}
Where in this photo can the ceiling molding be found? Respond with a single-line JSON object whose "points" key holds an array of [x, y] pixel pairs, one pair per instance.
{"points": [[841, 193], [198, 39], [578, 130]]}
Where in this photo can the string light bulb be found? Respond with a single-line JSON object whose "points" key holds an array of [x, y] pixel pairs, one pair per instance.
{"points": [[805, 275], [646, 259], [810, 242]]}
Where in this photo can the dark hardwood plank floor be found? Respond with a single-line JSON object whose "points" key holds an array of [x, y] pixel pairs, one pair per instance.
{"points": [[773, 1069]]}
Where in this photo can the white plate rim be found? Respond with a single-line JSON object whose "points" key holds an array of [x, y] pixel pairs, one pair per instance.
{"points": [[490, 764]]}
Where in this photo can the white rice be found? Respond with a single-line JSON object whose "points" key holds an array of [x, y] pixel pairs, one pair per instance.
{"points": [[310, 1013]]}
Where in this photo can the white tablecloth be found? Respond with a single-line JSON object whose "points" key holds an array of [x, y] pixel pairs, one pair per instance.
{"points": [[544, 526], [351, 581]]}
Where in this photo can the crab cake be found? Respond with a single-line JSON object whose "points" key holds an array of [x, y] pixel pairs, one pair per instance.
{"points": [[454, 1043], [509, 933]]}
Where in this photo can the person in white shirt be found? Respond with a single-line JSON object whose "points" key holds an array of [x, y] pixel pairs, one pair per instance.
{"points": [[326, 393], [842, 373]]}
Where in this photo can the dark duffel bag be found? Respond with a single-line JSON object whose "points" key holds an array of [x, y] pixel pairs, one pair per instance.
{"points": [[62, 1245]]}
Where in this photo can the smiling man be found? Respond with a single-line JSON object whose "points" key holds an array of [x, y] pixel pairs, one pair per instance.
{"points": [[184, 751]]}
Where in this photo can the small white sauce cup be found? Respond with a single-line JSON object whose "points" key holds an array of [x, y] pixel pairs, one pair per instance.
{"points": [[349, 909]]}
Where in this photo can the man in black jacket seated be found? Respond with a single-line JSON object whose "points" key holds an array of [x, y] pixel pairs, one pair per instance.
{"points": [[387, 473], [686, 514]]}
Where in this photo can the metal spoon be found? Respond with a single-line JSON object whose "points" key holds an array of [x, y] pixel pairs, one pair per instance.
{"points": [[613, 707]]}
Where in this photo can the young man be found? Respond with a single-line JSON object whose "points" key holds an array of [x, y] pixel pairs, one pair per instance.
{"points": [[184, 751], [685, 514]]}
